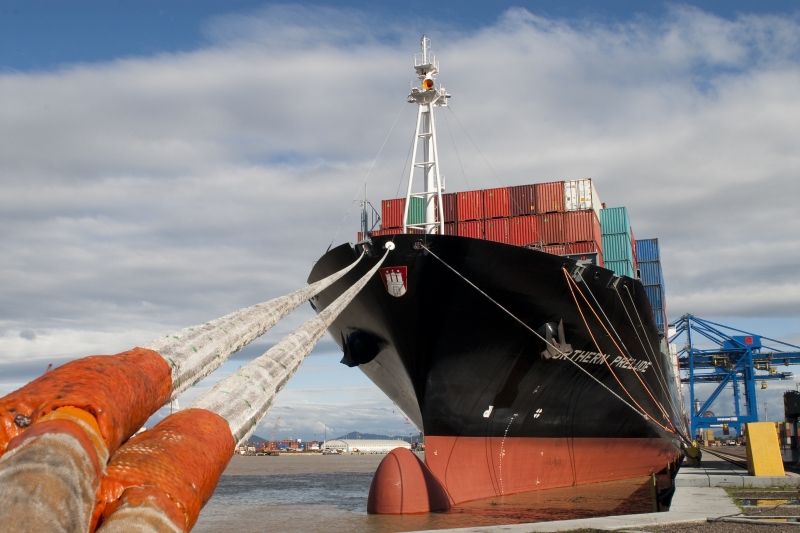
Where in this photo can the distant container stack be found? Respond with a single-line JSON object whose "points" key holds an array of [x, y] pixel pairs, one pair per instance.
{"points": [[652, 277]]}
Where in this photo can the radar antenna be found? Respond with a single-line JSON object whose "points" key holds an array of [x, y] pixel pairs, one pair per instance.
{"points": [[428, 95]]}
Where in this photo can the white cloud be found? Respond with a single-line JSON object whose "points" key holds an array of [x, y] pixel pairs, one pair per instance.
{"points": [[143, 195]]}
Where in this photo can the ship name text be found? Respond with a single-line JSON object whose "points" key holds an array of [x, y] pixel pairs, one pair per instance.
{"points": [[594, 358]]}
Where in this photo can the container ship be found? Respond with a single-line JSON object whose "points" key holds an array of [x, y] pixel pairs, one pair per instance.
{"points": [[521, 329]]}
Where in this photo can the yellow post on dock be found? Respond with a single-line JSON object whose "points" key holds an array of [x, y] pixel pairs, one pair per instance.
{"points": [[763, 452]]}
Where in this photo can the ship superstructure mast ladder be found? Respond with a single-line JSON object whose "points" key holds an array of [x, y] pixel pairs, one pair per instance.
{"points": [[714, 353], [428, 95]]}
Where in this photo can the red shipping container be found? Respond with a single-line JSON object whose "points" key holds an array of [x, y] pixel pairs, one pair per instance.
{"points": [[392, 213], [580, 226], [555, 249], [390, 231], [633, 246], [450, 202], [359, 237], [549, 197], [523, 230], [551, 228], [450, 228], [497, 230], [522, 200], [581, 247], [469, 205], [496, 203], [473, 228]]}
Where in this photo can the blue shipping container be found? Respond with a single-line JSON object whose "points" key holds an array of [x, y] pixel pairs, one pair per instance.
{"points": [[615, 220], [620, 268], [617, 247], [658, 314], [651, 272], [655, 295], [647, 250]]}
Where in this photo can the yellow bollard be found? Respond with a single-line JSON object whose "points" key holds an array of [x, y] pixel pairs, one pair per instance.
{"points": [[763, 451], [693, 455]]}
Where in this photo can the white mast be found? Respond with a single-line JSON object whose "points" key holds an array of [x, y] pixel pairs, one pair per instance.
{"points": [[428, 95]]}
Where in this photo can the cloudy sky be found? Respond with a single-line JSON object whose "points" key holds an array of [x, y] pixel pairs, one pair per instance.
{"points": [[161, 166]]}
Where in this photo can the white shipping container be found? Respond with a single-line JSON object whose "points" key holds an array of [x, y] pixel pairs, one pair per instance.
{"points": [[580, 195]]}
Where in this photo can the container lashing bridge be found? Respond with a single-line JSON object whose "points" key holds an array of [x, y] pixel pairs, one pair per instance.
{"points": [[714, 353]]}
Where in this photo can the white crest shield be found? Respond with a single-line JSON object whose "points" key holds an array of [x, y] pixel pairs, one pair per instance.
{"points": [[395, 279]]}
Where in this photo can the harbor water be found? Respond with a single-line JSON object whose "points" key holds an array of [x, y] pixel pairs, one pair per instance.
{"points": [[314, 493]]}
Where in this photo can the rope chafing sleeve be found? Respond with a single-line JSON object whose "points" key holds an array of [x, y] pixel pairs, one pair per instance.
{"points": [[195, 352], [166, 474], [163, 477], [120, 391]]}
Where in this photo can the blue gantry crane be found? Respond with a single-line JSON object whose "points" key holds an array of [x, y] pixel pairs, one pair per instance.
{"points": [[735, 358]]}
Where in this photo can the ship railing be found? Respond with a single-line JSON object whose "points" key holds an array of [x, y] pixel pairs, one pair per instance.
{"points": [[415, 87], [426, 58]]}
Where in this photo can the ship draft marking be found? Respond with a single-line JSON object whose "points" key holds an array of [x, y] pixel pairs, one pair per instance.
{"points": [[594, 358], [395, 280]]}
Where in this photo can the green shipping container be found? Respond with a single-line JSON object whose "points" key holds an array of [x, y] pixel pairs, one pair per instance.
{"points": [[617, 247], [416, 211], [615, 220], [620, 268]]}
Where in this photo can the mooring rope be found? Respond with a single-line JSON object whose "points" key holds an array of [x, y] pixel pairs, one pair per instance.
{"points": [[194, 352], [586, 323], [627, 360], [366, 177], [661, 381], [147, 479], [641, 325], [243, 398]]}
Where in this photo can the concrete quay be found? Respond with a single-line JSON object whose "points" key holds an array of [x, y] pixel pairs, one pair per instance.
{"points": [[716, 472], [699, 495]]}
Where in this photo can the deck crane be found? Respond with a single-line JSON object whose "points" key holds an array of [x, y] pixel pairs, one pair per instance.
{"points": [[728, 356]]}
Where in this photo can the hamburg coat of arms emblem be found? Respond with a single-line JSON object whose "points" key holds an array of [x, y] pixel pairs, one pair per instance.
{"points": [[395, 279]]}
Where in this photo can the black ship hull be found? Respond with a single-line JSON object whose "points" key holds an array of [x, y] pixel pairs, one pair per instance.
{"points": [[485, 389]]}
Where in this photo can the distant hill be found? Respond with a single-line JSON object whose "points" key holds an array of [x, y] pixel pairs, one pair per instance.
{"points": [[355, 435], [370, 436]]}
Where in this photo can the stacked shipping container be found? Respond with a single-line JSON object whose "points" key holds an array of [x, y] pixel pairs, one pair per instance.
{"points": [[617, 241], [560, 218], [649, 260]]}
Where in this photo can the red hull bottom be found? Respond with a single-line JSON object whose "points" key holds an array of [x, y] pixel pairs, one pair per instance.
{"points": [[472, 468]]}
